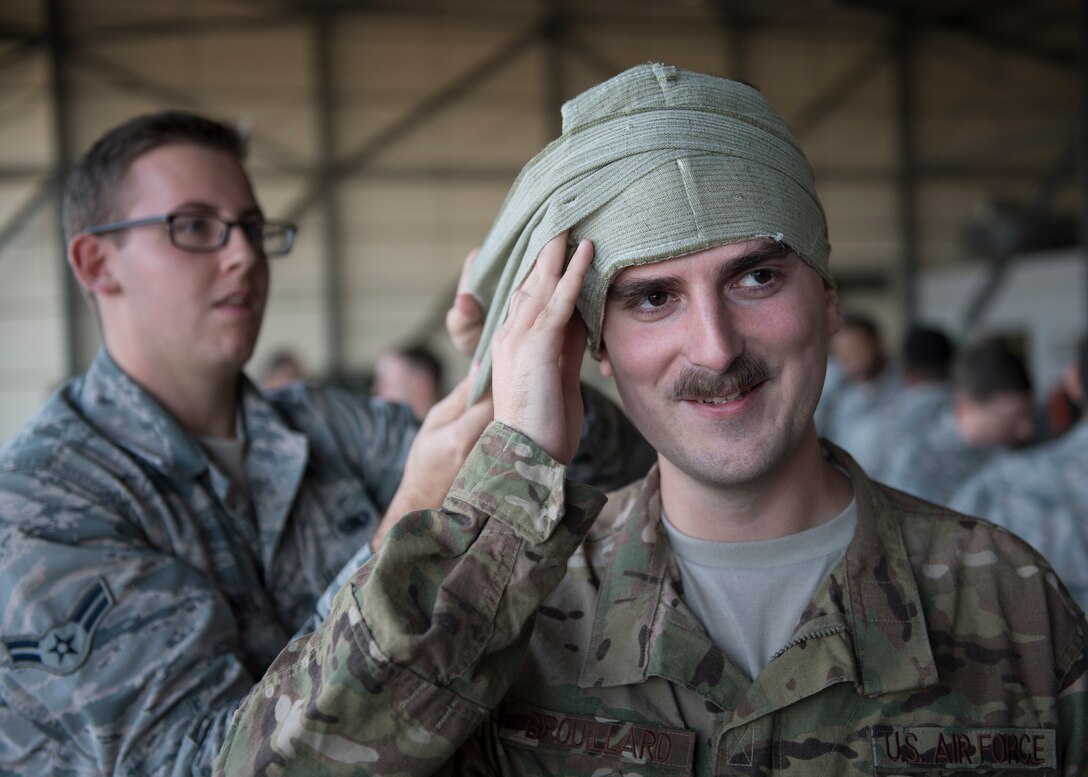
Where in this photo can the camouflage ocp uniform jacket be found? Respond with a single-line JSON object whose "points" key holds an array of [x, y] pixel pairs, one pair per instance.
{"points": [[512, 634], [141, 593]]}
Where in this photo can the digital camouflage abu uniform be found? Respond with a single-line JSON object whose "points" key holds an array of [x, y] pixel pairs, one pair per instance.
{"points": [[143, 594], [854, 408], [906, 415], [1041, 494], [511, 634], [934, 461]]}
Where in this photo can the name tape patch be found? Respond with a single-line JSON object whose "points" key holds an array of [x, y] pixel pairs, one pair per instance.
{"points": [[636, 743], [908, 748]]}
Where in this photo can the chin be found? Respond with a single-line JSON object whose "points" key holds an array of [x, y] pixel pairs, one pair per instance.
{"points": [[236, 358], [743, 464]]}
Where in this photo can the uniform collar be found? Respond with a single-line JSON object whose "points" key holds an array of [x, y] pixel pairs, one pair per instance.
{"points": [[882, 602], [869, 610], [631, 591], [276, 461], [123, 412]]}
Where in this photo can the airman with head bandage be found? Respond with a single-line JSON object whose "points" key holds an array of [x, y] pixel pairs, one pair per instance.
{"points": [[756, 604]]}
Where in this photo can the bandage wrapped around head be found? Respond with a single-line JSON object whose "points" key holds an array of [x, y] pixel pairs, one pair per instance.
{"points": [[654, 163]]}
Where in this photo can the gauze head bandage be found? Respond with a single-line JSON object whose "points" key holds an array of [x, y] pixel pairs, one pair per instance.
{"points": [[654, 163]]}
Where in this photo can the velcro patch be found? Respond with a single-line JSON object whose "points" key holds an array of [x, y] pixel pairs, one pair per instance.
{"points": [[63, 647], [920, 748], [636, 743]]}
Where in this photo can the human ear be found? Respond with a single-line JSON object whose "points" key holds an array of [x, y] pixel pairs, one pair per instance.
{"points": [[606, 365], [89, 258], [832, 311]]}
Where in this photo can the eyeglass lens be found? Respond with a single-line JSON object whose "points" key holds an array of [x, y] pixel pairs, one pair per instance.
{"points": [[207, 233]]}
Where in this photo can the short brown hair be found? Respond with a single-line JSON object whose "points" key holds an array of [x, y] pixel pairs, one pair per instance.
{"points": [[92, 191], [990, 368]]}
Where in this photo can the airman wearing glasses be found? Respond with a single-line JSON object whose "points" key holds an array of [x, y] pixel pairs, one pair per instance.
{"points": [[165, 529]]}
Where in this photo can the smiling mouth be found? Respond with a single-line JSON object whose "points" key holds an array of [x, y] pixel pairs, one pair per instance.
{"points": [[706, 387], [726, 399]]}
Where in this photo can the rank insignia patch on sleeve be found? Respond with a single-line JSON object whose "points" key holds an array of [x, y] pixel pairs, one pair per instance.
{"points": [[64, 647]]}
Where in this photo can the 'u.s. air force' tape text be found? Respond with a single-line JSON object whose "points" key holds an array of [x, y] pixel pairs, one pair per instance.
{"points": [[918, 747]]}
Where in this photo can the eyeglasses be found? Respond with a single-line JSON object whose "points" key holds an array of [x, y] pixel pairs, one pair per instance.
{"points": [[203, 233]]}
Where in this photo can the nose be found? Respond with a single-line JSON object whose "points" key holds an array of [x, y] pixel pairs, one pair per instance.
{"points": [[713, 340], [240, 254]]}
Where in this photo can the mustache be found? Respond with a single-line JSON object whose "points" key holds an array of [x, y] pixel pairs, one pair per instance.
{"points": [[744, 373]]}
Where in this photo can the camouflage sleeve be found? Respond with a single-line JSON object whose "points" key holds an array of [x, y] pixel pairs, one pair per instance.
{"points": [[115, 658], [611, 452], [1073, 701], [425, 640]]}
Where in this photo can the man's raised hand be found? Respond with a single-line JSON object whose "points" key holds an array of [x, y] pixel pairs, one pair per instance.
{"points": [[537, 352]]}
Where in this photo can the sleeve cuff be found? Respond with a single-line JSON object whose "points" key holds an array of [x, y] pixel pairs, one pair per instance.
{"points": [[510, 478]]}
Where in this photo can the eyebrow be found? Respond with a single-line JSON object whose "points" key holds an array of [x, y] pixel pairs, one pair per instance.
{"points": [[200, 206], [621, 291], [639, 287]]}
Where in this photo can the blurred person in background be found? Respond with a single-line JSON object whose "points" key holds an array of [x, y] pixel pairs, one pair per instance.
{"points": [[755, 604], [284, 368], [991, 411], [411, 376], [859, 382], [1041, 493], [924, 363]]}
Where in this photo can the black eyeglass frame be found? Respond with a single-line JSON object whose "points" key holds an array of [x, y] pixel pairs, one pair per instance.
{"points": [[247, 227]]}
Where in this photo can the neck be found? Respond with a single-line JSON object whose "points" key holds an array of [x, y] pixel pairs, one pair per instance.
{"points": [[205, 405], [802, 492]]}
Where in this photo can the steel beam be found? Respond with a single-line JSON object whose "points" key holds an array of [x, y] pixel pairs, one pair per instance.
{"points": [[1029, 224], [326, 192], [1082, 152], [906, 108], [835, 94], [41, 197], [131, 81], [579, 47], [554, 41], [422, 112], [59, 60], [497, 15], [21, 51], [734, 34], [967, 29]]}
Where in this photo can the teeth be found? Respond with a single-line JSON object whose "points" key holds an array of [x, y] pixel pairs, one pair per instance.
{"points": [[721, 400]]}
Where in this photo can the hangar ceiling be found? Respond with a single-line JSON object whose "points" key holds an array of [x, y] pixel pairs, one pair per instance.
{"points": [[391, 130]]}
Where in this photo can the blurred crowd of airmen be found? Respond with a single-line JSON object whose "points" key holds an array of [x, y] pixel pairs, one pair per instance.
{"points": [[962, 429]]}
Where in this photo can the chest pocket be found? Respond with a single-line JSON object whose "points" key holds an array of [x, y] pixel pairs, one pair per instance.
{"points": [[922, 750], [539, 741]]}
